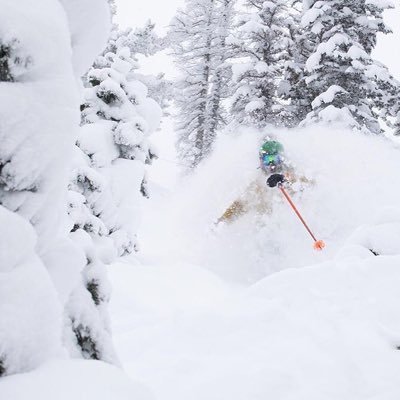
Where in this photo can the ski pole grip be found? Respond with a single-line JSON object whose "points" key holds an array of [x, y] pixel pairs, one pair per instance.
{"points": [[275, 179]]}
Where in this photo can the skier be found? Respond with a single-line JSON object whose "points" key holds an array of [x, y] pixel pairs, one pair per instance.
{"points": [[257, 197]]}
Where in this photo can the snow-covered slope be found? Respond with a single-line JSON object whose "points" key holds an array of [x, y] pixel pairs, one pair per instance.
{"points": [[73, 379], [325, 332]]}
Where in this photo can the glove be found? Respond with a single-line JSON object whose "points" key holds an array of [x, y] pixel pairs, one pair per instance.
{"points": [[275, 179]]}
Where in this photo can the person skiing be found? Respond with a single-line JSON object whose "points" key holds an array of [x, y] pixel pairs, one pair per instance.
{"points": [[257, 197], [271, 160]]}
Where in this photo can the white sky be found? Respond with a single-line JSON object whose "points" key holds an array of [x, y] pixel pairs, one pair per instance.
{"points": [[388, 50], [137, 12]]}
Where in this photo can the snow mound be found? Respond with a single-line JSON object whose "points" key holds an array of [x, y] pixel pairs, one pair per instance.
{"points": [[76, 379], [330, 331], [30, 323], [182, 287]]}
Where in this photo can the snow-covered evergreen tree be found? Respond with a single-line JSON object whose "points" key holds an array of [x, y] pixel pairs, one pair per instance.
{"points": [[219, 82], [108, 178], [346, 83], [261, 45], [145, 42], [113, 6], [87, 317], [39, 264], [397, 125], [160, 89], [293, 89], [198, 38], [118, 117]]}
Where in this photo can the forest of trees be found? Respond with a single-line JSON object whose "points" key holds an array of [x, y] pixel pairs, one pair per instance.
{"points": [[279, 63]]}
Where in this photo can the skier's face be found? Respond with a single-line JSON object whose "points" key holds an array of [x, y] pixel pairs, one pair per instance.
{"points": [[272, 168], [271, 162], [271, 159]]}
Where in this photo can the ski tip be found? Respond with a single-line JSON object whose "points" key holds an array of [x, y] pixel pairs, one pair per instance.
{"points": [[319, 245]]}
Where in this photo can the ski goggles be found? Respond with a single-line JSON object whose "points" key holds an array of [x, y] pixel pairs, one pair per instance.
{"points": [[268, 159]]}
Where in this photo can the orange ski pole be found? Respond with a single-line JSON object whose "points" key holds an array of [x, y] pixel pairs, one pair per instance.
{"points": [[318, 244]]}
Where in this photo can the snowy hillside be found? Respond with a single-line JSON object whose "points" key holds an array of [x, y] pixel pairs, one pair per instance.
{"points": [[324, 332], [65, 380], [202, 210], [329, 330]]}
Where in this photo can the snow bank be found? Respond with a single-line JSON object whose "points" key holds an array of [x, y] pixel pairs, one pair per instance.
{"points": [[182, 288], [329, 331], [30, 323], [355, 177], [77, 379]]}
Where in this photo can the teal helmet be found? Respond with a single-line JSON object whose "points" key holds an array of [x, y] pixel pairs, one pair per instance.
{"points": [[271, 147]]}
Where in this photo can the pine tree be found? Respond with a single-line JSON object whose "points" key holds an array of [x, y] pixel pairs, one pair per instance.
{"points": [[107, 181], [261, 44], [198, 39], [145, 42], [142, 41], [345, 82], [396, 125], [39, 263], [293, 89], [113, 6], [13, 62], [89, 203], [220, 79], [116, 124], [160, 89], [25, 185]]}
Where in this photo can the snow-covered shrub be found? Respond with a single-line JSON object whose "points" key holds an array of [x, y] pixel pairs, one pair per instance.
{"points": [[30, 314]]}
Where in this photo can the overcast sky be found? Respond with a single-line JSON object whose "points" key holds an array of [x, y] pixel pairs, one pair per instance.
{"points": [[137, 12]]}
